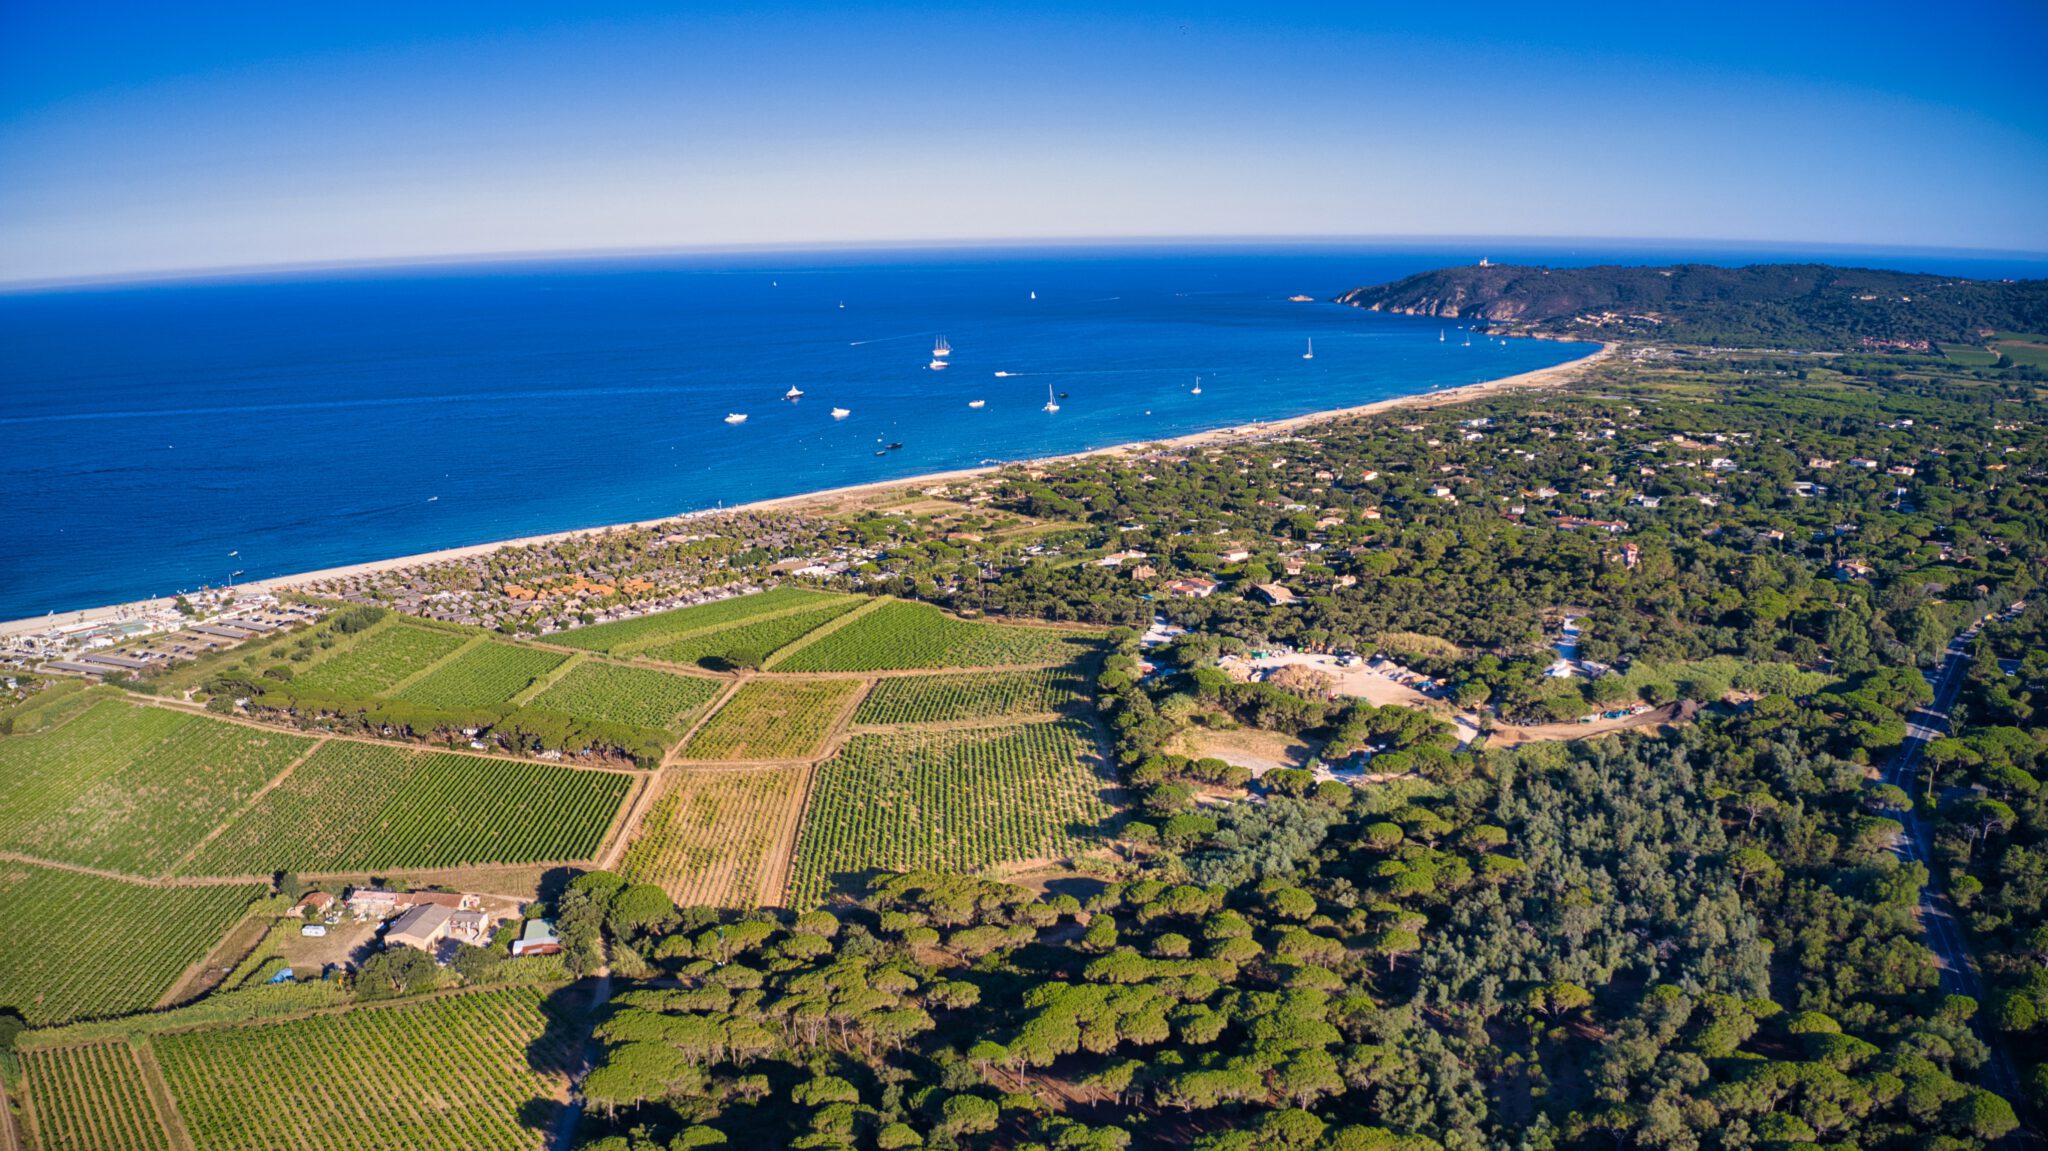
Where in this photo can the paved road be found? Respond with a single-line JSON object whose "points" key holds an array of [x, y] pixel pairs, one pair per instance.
{"points": [[1945, 936]]}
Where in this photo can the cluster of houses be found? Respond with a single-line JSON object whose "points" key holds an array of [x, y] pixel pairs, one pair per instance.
{"points": [[427, 921]]}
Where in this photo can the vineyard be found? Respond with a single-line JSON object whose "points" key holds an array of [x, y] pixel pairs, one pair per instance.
{"points": [[452, 1072], [716, 837], [485, 674], [748, 644], [773, 719], [650, 629], [914, 635], [79, 946], [361, 806], [953, 801], [379, 660], [979, 695], [131, 788], [639, 696], [91, 1098]]}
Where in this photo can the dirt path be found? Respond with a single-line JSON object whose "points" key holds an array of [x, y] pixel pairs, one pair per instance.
{"points": [[159, 1089], [1514, 735]]}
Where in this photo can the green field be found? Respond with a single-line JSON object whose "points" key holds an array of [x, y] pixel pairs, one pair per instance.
{"points": [[80, 947], [975, 695], [651, 629], [131, 788], [900, 636], [360, 806], [638, 696], [378, 660], [478, 1072], [486, 674], [951, 801], [91, 1098], [748, 644], [773, 719]]}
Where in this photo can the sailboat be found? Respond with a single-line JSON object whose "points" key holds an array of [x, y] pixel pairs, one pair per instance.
{"points": [[941, 349], [1311, 353], [976, 403], [1034, 295], [735, 417], [1051, 405], [1198, 387], [1439, 333], [841, 413], [1468, 339], [793, 393]]}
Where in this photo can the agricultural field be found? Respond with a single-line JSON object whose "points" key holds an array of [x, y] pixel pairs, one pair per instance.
{"points": [[363, 806], [131, 788], [901, 636], [952, 801], [638, 696], [717, 838], [644, 630], [379, 660], [81, 947], [773, 719], [90, 1098], [977, 695], [748, 644], [479, 1071], [485, 674]]}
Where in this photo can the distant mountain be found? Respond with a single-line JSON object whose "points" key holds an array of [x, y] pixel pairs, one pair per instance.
{"points": [[1775, 305]]}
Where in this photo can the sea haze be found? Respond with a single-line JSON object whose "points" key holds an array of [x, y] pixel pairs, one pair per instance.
{"points": [[321, 419]]}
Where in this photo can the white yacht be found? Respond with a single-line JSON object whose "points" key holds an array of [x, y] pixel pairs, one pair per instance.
{"points": [[793, 393], [1001, 375], [841, 413], [976, 403], [735, 417]]}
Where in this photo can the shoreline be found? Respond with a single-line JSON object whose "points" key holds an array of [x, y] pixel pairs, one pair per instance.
{"points": [[1540, 378]]}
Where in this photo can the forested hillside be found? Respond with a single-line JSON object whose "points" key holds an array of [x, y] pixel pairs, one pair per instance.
{"points": [[1813, 306]]}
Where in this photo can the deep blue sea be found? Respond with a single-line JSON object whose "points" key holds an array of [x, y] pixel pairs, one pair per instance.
{"points": [[324, 418]]}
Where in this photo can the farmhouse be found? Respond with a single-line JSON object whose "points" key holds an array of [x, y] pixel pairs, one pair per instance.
{"points": [[422, 927]]}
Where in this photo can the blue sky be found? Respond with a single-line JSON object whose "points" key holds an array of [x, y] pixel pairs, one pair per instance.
{"points": [[138, 138]]}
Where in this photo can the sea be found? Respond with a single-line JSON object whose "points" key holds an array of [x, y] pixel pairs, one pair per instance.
{"points": [[165, 436]]}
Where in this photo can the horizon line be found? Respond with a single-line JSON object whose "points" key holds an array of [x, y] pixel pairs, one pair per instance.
{"points": [[205, 273]]}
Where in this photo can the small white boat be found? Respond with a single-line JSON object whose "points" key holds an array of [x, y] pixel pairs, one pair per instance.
{"points": [[1311, 353], [1001, 375], [1468, 339], [1034, 295], [937, 365], [976, 403], [735, 417], [841, 413], [842, 304], [1198, 387], [1051, 404], [793, 393]]}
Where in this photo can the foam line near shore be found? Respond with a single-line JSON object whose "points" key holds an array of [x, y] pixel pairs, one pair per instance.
{"points": [[1540, 378]]}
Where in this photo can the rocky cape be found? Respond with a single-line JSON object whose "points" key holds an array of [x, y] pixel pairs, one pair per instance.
{"points": [[1761, 305]]}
